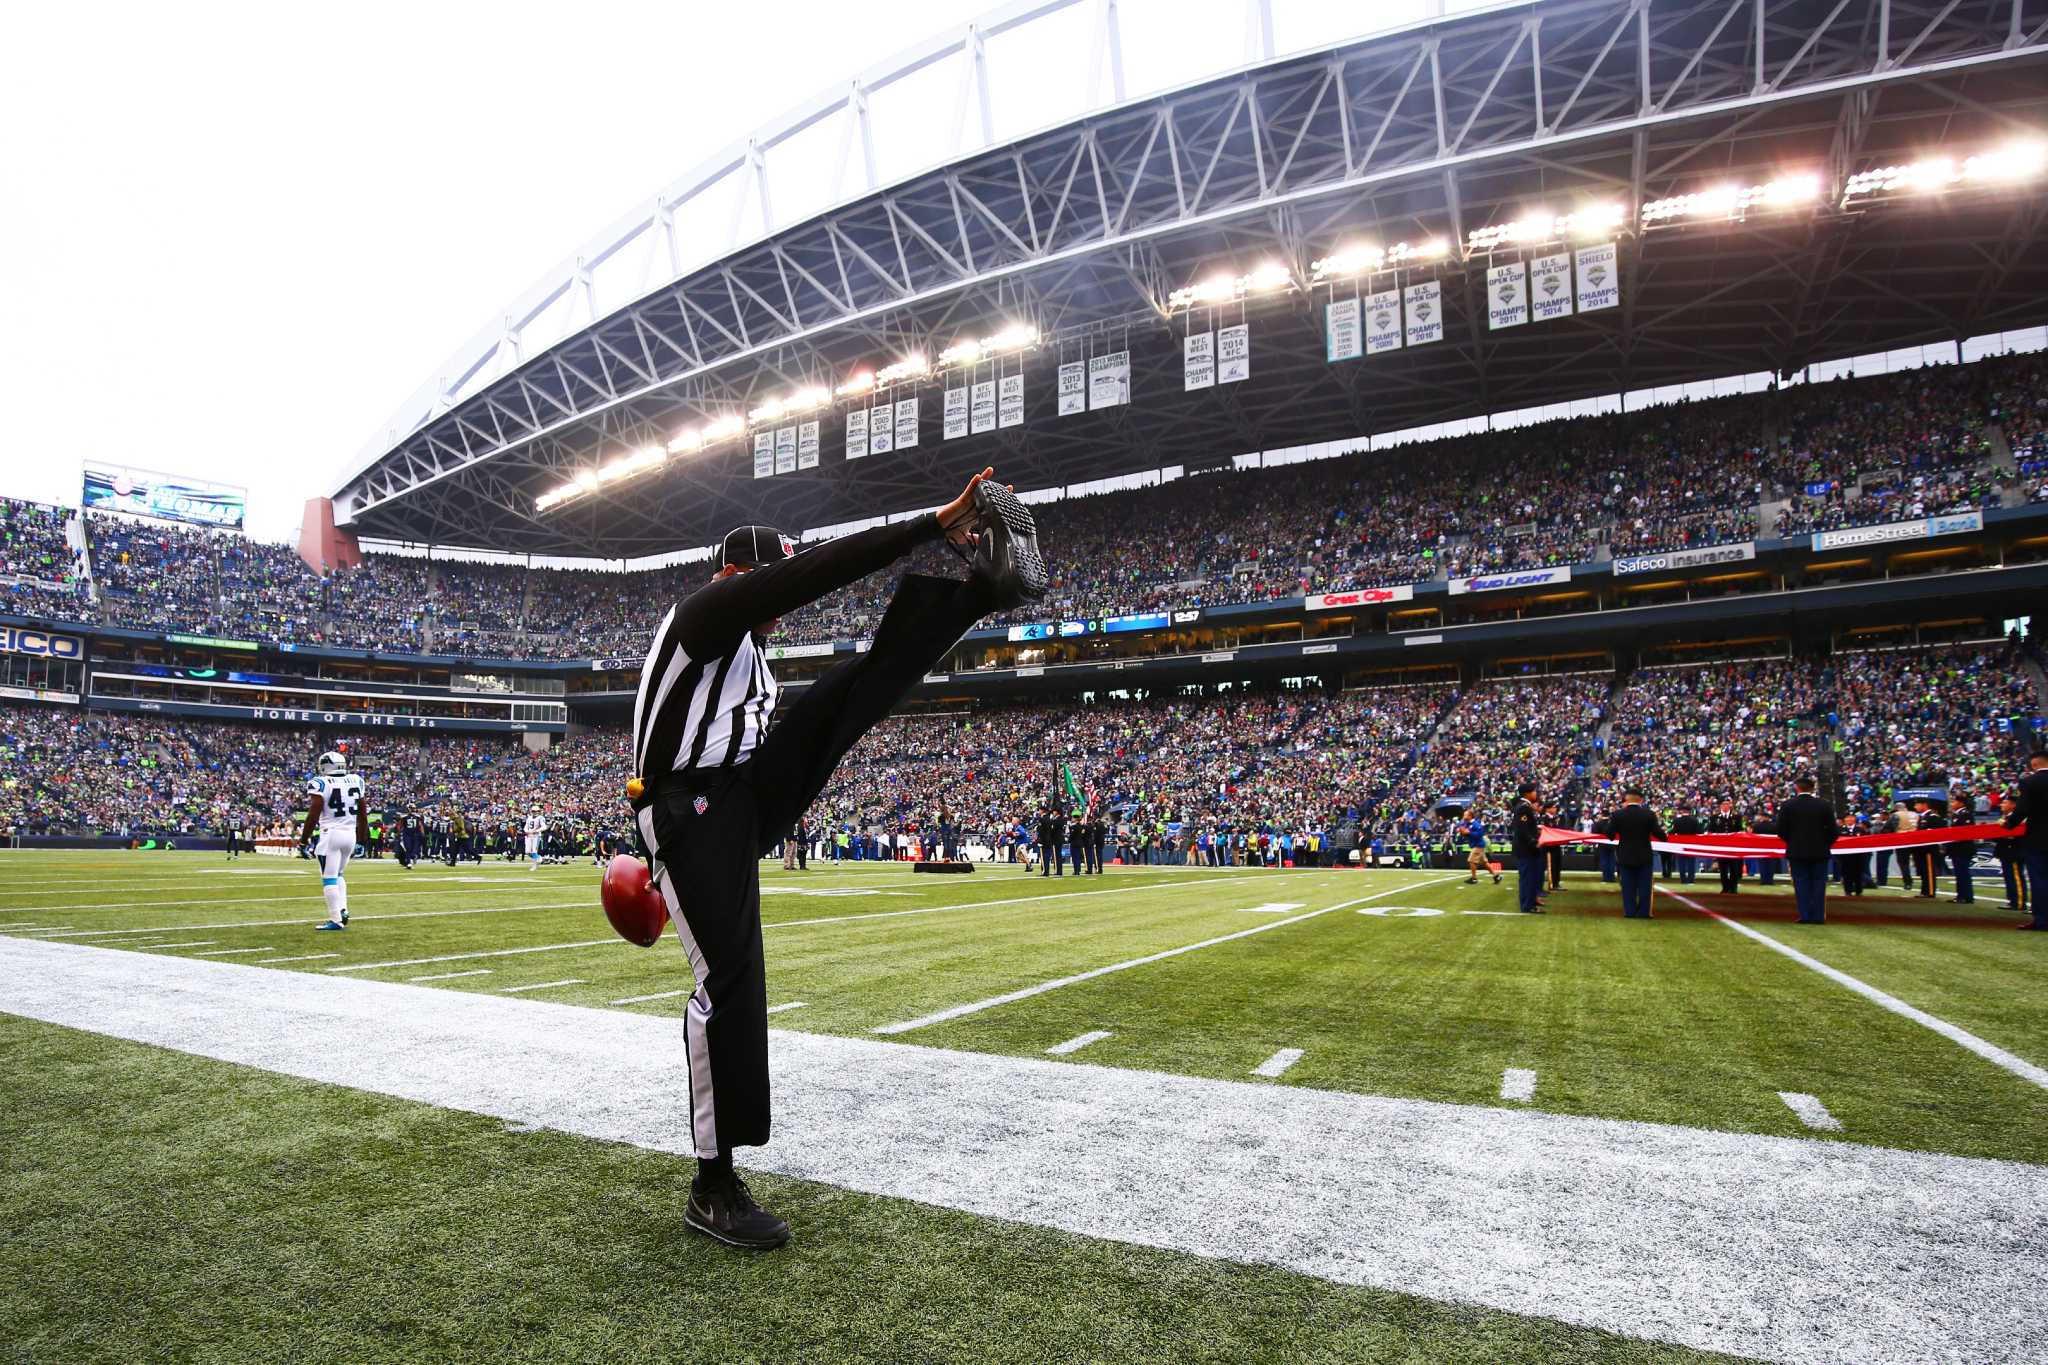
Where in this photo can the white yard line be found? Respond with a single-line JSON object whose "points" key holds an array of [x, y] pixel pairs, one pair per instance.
{"points": [[1811, 1111], [1279, 1063], [975, 1007], [1518, 1083], [450, 976], [1076, 1044], [110, 936], [312, 893], [1508, 913], [658, 995], [1927, 1256], [230, 952], [195, 943], [273, 961], [1990, 1052], [786, 1005], [494, 952], [543, 985], [1273, 908]]}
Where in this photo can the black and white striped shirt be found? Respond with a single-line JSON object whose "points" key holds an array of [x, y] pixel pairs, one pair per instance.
{"points": [[706, 695]]}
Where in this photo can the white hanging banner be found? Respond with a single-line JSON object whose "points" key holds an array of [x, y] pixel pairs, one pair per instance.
{"points": [[1550, 286], [807, 445], [1425, 303], [856, 433], [764, 454], [1197, 361], [882, 429], [984, 405], [1507, 295], [1073, 388], [1340, 331], [785, 450], [1234, 354], [1010, 401], [1599, 278], [1383, 321], [1109, 380], [956, 413], [906, 422]]}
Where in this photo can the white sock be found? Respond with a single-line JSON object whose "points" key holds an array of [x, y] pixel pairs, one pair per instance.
{"points": [[335, 891]]}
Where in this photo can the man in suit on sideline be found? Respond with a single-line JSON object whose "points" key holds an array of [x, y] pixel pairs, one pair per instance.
{"points": [[1635, 826], [2030, 805], [1807, 825], [1526, 828]]}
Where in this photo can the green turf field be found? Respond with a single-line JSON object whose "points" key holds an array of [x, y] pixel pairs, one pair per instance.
{"points": [[290, 1200]]}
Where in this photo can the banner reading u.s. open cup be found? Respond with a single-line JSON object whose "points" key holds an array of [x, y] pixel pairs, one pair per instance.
{"points": [[1507, 295], [1425, 307], [1383, 321], [1550, 286]]}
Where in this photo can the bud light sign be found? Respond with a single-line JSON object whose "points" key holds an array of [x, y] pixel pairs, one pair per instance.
{"points": [[1528, 578]]}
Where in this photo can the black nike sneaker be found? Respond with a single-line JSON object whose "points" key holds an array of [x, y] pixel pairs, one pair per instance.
{"points": [[725, 1211], [1006, 554]]}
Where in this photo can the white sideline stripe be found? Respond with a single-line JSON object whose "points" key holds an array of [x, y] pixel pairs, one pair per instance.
{"points": [[1275, 908], [195, 943], [1927, 1257], [465, 957], [1990, 1052], [279, 899], [450, 976], [975, 1007], [273, 961], [789, 1005], [1279, 1063], [1076, 1044], [108, 936], [1518, 1083], [658, 995], [230, 952], [1811, 1111], [1489, 912], [546, 985]]}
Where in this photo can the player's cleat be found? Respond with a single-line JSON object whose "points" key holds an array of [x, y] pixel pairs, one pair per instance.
{"points": [[344, 917], [1006, 551], [632, 905], [724, 1209], [330, 927]]}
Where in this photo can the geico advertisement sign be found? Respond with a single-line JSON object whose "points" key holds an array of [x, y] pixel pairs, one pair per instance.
{"points": [[18, 640]]}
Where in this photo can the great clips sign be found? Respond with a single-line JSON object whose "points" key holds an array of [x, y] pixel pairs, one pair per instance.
{"points": [[1526, 578], [1361, 597], [42, 644]]}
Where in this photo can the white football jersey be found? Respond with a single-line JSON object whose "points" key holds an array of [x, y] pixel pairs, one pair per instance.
{"points": [[536, 824], [340, 799]]}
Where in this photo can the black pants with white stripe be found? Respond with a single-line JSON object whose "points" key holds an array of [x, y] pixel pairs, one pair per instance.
{"points": [[707, 830]]}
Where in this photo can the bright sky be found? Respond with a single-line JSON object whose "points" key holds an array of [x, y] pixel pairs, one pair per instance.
{"points": [[241, 234]]}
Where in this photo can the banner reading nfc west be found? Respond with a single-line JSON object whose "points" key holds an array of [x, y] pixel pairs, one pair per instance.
{"points": [[1525, 578], [1010, 401], [1198, 361], [807, 446], [140, 493]]}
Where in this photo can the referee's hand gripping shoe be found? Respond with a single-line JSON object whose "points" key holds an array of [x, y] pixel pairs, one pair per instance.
{"points": [[723, 772]]}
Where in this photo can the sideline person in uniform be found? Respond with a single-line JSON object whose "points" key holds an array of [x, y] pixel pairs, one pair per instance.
{"points": [[1807, 825], [2030, 807], [1525, 828], [1635, 828]]}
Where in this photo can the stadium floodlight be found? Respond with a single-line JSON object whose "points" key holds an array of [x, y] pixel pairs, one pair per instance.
{"points": [[724, 427], [2010, 164], [1594, 220], [1733, 201], [1266, 278], [912, 366], [1348, 261], [689, 438], [1016, 337], [859, 383], [961, 353]]}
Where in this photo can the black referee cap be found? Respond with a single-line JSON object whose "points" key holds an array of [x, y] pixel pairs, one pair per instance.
{"points": [[750, 547]]}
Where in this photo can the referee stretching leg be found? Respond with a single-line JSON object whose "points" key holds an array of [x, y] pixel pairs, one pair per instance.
{"points": [[717, 789]]}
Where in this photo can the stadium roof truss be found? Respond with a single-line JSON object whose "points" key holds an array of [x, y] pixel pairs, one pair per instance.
{"points": [[1082, 230]]}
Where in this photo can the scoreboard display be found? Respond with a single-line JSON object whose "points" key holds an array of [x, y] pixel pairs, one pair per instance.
{"points": [[1094, 625]]}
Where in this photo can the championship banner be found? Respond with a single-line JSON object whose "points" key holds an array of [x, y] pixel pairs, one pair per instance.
{"points": [[1525, 578], [1599, 278], [1917, 529], [882, 429], [807, 445], [1109, 380], [785, 450], [1550, 286], [1197, 361], [1359, 597], [982, 408], [1383, 321], [764, 454], [956, 413], [1507, 295], [1685, 559], [906, 422], [1234, 354], [1010, 401], [1425, 306], [1341, 339], [1073, 388], [856, 433], [141, 493]]}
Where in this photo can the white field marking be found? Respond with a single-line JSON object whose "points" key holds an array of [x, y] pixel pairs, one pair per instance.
{"points": [[786, 1005], [1401, 911], [1518, 1083], [1458, 1202], [658, 995], [230, 952], [1990, 1052], [1811, 1111], [273, 961], [1490, 912], [1076, 1044], [195, 943], [281, 898], [1274, 908], [465, 957], [543, 985], [984, 905], [109, 937], [1279, 1063], [485, 879], [450, 976], [975, 1007]]}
